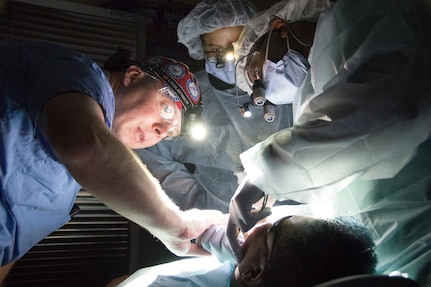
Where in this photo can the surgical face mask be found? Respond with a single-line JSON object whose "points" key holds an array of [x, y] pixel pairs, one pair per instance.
{"points": [[282, 79], [226, 74]]}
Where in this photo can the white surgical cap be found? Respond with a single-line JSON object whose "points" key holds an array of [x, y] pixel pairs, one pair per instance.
{"points": [[289, 11], [208, 16]]}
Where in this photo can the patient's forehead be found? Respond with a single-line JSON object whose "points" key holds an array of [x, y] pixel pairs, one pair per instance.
{"points": [[286, 221], [291, 223], [295, 223], [288, 225], [297, 219]]}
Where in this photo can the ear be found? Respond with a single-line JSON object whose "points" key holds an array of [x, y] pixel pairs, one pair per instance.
{"points": [[132, 73], [280, 26], [252, 276]]}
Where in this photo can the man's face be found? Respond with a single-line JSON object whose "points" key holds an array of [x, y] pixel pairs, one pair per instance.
{"points": [[144, 115]]}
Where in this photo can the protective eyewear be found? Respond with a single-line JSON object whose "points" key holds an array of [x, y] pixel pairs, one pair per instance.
{"points": [[271, 234], [169, 111], [183, 122]]}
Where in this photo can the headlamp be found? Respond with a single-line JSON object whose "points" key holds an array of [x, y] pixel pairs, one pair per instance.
{"points": [[193, 124], [220, 58], [229, 56], [245, 110], [185, 86], [269, 112], [258, 94], [253, 74]]}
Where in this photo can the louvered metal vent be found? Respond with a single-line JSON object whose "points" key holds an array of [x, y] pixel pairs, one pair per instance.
{"points": [[89, 250], [94, 31], [95, 245]]}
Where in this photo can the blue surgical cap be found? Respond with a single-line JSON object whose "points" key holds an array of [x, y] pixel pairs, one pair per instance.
{"points": [[208, 16]]}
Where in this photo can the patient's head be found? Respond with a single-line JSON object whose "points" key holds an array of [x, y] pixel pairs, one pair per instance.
{"points": [[305, 251]]}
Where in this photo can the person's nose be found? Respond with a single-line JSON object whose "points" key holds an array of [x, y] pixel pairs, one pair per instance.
{"points": [[161, 129]]}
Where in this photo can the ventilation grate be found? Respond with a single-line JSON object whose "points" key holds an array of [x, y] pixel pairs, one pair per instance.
{"points": [[89, 250], [97, 33]]}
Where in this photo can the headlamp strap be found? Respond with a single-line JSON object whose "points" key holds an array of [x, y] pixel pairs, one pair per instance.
{"points": [[122, 60], [157, 71]]}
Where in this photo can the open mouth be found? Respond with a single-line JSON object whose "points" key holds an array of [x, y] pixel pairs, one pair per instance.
{"points": [[140, 135]]}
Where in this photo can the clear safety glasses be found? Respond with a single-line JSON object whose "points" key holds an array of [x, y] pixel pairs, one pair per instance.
{"points": [[270, 239], [169, 111], [219, 56]]}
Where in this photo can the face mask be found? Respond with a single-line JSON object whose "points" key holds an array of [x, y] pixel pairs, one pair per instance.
{"points": [[226, 74], [282, 79]]}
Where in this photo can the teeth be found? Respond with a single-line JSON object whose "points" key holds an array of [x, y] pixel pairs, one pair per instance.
{"points": [[140, 135]]}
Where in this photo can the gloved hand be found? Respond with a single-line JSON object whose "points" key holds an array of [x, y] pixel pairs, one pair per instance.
{"points": [[215, 241], [243, 215], [179, 237]]}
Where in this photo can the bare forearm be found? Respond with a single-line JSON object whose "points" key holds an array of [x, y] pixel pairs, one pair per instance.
{"points": [[119, 179], [112, 173]]}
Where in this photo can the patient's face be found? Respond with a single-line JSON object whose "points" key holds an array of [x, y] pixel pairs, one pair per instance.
{"points": [[260, 240], [258, 246]]}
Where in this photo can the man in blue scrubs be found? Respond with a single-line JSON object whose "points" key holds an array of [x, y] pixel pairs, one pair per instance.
{"points": [[65, 126]]}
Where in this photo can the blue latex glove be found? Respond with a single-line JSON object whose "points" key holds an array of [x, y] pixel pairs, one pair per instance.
{"points": [[242, 214], [215, 241]]}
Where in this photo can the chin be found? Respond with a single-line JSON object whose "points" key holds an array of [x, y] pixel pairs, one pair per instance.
{"points": [[137, 145], [133, 144], [143, 144]]}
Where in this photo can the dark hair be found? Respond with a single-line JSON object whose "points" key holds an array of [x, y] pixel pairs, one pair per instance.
{"points": [[319, 251]]}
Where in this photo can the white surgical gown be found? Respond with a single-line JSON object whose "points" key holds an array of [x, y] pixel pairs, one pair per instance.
{"points": [[360, 139], [190, 272], [398, 212], [364, 106]]}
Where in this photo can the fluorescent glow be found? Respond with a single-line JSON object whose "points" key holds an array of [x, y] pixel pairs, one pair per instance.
{"points": [[324, 209], [399, 274], [146, 276]]}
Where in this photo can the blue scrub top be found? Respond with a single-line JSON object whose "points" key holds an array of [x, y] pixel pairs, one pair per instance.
{"points": [[37, 192]]}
